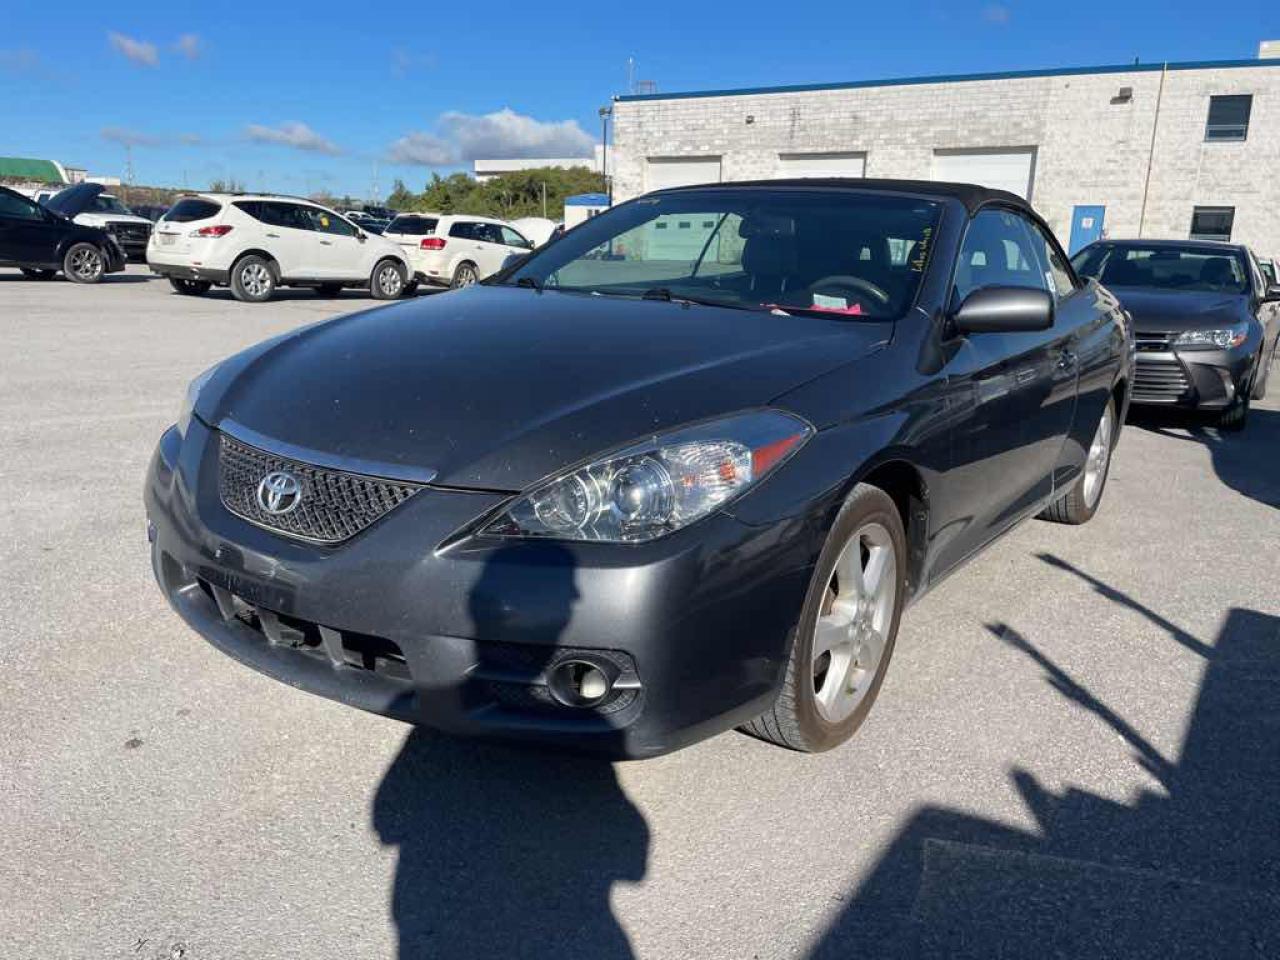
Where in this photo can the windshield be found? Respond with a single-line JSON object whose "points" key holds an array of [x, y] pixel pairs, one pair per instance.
{"points": [[835, 253], [1196, 269], [105, 204]]}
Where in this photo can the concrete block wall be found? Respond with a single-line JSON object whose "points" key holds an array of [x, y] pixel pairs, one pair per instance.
{"points": [[1091, 147]]}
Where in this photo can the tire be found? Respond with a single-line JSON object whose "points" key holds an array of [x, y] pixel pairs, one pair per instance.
{"points": [[1262, 378], [190, 288], [1081, 501], [1234, 418], [817, 709], [329, 289], [253, 279], [465, 275], [84, 263], [33, 274], [387, 282]]}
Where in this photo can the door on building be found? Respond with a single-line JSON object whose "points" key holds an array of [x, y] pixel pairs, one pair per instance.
{"points": [[680, 172], [822, 164], [1004, 168], [1086, 227]]}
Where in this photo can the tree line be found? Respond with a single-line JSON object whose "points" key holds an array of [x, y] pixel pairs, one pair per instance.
{"points": [[521, 193]]}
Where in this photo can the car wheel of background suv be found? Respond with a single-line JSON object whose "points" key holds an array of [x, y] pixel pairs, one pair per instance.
{"points": [[190, 288], [253, 279], [465, 275], [841, 647], [1080, 502], [83, 263], [32, 274], [387, 282]]}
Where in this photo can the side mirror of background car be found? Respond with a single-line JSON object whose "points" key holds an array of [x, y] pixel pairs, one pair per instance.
{"points": [[1272, 294], [1004, 310], [361, 236]]}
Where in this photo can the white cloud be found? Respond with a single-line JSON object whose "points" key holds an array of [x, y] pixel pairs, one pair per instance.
{"points": [[996, 13], [128, 137], [463, 137], [189, 46], [296, 135], [142, 53]]}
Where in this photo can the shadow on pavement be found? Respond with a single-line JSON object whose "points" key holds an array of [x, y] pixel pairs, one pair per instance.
{"points": [[509, 851], [1247, 462], [1190, 870]]}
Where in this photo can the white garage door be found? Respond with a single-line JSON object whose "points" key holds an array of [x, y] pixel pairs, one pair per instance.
{"points": [[681, 171], [1005, 169], [822, 164]]}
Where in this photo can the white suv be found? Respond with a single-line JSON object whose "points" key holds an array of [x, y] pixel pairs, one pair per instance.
{"points": [[455, 250], [254, 243]]}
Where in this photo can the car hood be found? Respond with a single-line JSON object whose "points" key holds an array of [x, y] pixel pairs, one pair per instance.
{"points": [[97, 219], [1172, 311], [75, 199], [497, 387]]}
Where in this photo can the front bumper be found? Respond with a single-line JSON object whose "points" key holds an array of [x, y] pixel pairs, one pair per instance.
{"points": [[692, 629], [1192, 379]]}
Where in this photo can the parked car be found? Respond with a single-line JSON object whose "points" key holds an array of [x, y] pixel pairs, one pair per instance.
{"points": [[379, 212], [1268, 267], [254, 243], [151, 211], [40, 242], [94, 207], [624, 503], [1205, 316], [459, 250]]}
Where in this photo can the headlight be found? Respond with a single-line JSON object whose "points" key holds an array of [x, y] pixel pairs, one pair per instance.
{"points": [[189, 401], [1220, 339], [652, 488]]}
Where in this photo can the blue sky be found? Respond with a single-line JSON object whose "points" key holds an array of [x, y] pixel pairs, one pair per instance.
{"points": [[300, 97]]}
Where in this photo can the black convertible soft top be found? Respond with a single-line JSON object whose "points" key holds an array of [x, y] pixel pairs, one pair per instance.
{"points": [[970, 194]]}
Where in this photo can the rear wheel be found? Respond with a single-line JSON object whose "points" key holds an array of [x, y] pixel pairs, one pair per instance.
{"points": [[84, 263], [190, 288], [465, 275], [1080, 502], [841, 648], [387, 282], [32, 274], [252, 279]]}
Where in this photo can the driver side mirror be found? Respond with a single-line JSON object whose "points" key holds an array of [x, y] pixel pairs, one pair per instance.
{"points": [[1005, 310]]}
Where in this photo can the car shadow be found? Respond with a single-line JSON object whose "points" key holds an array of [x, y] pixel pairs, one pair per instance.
{"points": [[508, 850], [1189, 868], [1247, 462], [110, 278]]}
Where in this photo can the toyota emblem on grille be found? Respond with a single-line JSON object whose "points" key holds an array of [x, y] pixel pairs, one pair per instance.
{"points": [[279, 493]]}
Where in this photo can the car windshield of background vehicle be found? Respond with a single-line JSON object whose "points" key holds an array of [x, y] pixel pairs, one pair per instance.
{"points": [[103, 204], [1206, 270], [413, 226], [839, 254]]}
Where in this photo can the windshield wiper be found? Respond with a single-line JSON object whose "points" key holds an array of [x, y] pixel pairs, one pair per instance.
{"points": [[529, 282], [663, 293]]}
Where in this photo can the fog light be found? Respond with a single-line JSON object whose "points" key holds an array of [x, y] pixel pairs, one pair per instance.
{"points": [[579, 683]]}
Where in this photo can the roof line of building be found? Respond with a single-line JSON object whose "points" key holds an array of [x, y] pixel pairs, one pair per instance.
{"points": [[956, 78]]}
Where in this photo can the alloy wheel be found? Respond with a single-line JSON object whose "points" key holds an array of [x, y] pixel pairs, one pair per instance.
{"points": [[255, 279], [389, 281], [852, 632], [466, 276], [1095, 467], [86, 263]]}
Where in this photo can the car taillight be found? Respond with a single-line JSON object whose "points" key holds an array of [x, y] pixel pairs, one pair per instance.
{"points": [[432, 243], [221, 230]]}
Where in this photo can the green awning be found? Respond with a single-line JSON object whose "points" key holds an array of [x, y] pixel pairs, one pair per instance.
{"points": [[29, 168]]}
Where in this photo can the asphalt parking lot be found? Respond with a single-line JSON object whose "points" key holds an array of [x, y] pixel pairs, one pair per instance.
{"points": [[1076, 752]]}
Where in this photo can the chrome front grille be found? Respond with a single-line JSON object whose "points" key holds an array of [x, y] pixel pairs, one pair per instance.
{"points": [[1160, 381], [133, 232], [332, 505]]}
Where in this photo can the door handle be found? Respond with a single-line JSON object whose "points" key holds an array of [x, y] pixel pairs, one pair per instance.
{"points": [[326, 243], [274, 236]]}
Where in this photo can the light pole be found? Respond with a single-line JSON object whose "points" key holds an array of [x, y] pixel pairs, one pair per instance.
{"points": [[605, 114]]}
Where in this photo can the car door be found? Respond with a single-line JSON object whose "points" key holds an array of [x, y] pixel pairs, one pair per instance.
{"points": [[1018, 389], [491, 250], [28, 233], [340, 248], [289, 238]]}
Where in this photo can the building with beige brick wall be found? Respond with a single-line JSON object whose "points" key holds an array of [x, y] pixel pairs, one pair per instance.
{"points": [[1152, 150]]}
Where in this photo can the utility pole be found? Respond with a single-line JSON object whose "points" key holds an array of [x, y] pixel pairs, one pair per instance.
{"points": [[605, 114], [544, 199]]}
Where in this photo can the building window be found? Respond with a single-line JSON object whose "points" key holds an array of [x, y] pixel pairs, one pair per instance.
{"points": [[1228, 118], [1212, 223]]}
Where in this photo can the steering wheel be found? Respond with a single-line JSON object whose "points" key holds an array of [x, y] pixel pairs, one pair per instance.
{"points": [[856, 283]]}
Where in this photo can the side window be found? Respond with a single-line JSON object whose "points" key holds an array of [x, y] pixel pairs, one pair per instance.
{"points": [[513, 239], [463, 230], [283, 215], [322, 221], [997, 252], [488, 232], [18, 208], [1061, 283]]}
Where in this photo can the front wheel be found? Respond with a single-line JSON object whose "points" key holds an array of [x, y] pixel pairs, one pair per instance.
{"points": [[1234, 418], [84, 264], [387, 282], [190, 288], [841, 647], [1080, 502]]}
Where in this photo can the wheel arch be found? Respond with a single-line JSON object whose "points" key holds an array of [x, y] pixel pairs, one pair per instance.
{"points": [[895, 474], [272, 262]]}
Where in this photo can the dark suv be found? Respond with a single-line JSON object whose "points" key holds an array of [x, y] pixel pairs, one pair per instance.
{"points": [[41, 241]]}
